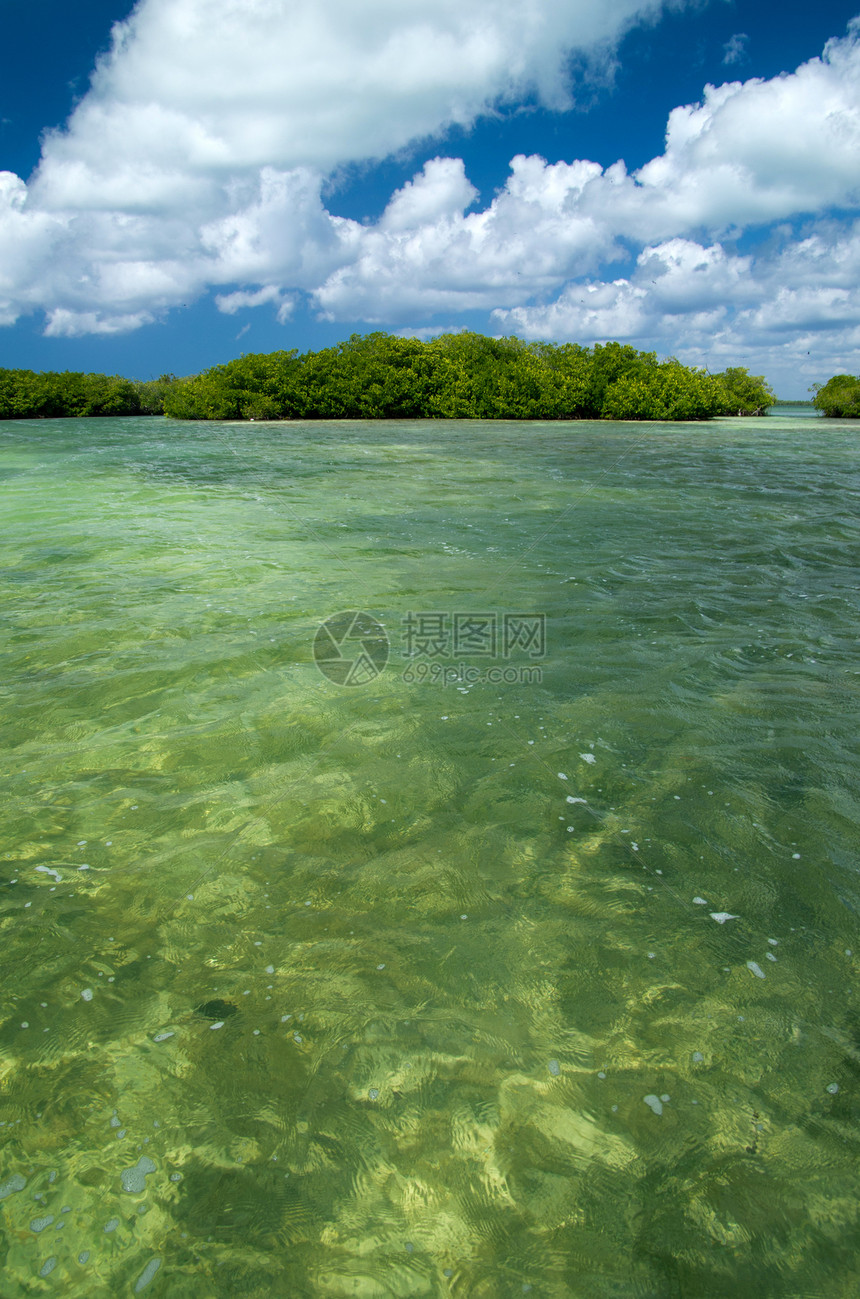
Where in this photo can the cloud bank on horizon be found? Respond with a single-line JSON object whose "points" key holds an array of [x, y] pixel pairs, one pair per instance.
{"points": [[200, 158]]}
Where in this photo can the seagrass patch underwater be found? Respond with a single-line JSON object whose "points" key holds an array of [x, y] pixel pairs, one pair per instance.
{"points": [[517, 965]]}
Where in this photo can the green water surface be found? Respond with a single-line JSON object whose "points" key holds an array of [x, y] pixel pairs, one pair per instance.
{"points": [[425, 986]]}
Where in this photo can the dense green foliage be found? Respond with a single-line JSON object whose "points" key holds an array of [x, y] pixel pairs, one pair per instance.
{"points": [[463, 376], [152, 392], [839, 397], [744, 393], [26, 394], [377, 376]]}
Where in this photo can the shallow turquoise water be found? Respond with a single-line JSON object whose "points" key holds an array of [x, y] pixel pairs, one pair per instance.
{"points": [[475, 1037]]}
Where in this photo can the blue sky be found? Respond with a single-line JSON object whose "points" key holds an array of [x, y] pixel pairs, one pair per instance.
{"points": [[282, 173]]}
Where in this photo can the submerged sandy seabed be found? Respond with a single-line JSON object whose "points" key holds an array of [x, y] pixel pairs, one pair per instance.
{"points": [[422, 990]]}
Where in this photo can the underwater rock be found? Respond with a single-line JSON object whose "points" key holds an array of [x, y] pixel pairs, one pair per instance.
{"points": [[216, 1009]]}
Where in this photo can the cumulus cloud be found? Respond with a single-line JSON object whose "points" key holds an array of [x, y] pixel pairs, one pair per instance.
{"points": [[530, 238], [202, 145], [200, 155], [230, 303], [440, 190], [194, 89], [74, 324], [749, 154]]}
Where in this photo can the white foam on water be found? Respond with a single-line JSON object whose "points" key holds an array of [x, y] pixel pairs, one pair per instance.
{"points": [[588, 757], [49, 870], [554, 1068], [12, 1185], [722, 916], [755, 969], [700, 902], [571, 799], [87, 994], [134, 1179], [654, 1103], [219, 1024]]}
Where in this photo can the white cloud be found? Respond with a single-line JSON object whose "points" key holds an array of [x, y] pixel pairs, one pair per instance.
{"points": [[440, 190], [530, 238], [735, 48], [749, 154], [277, 228], [198, 91], [677, 279], [74, 324], [208, 130], [230, 303], [241, 300]]}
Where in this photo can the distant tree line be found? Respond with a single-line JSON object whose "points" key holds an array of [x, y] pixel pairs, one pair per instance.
{"points": [[839, 397], [378, 376], [28, 394], [464, 376]]}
